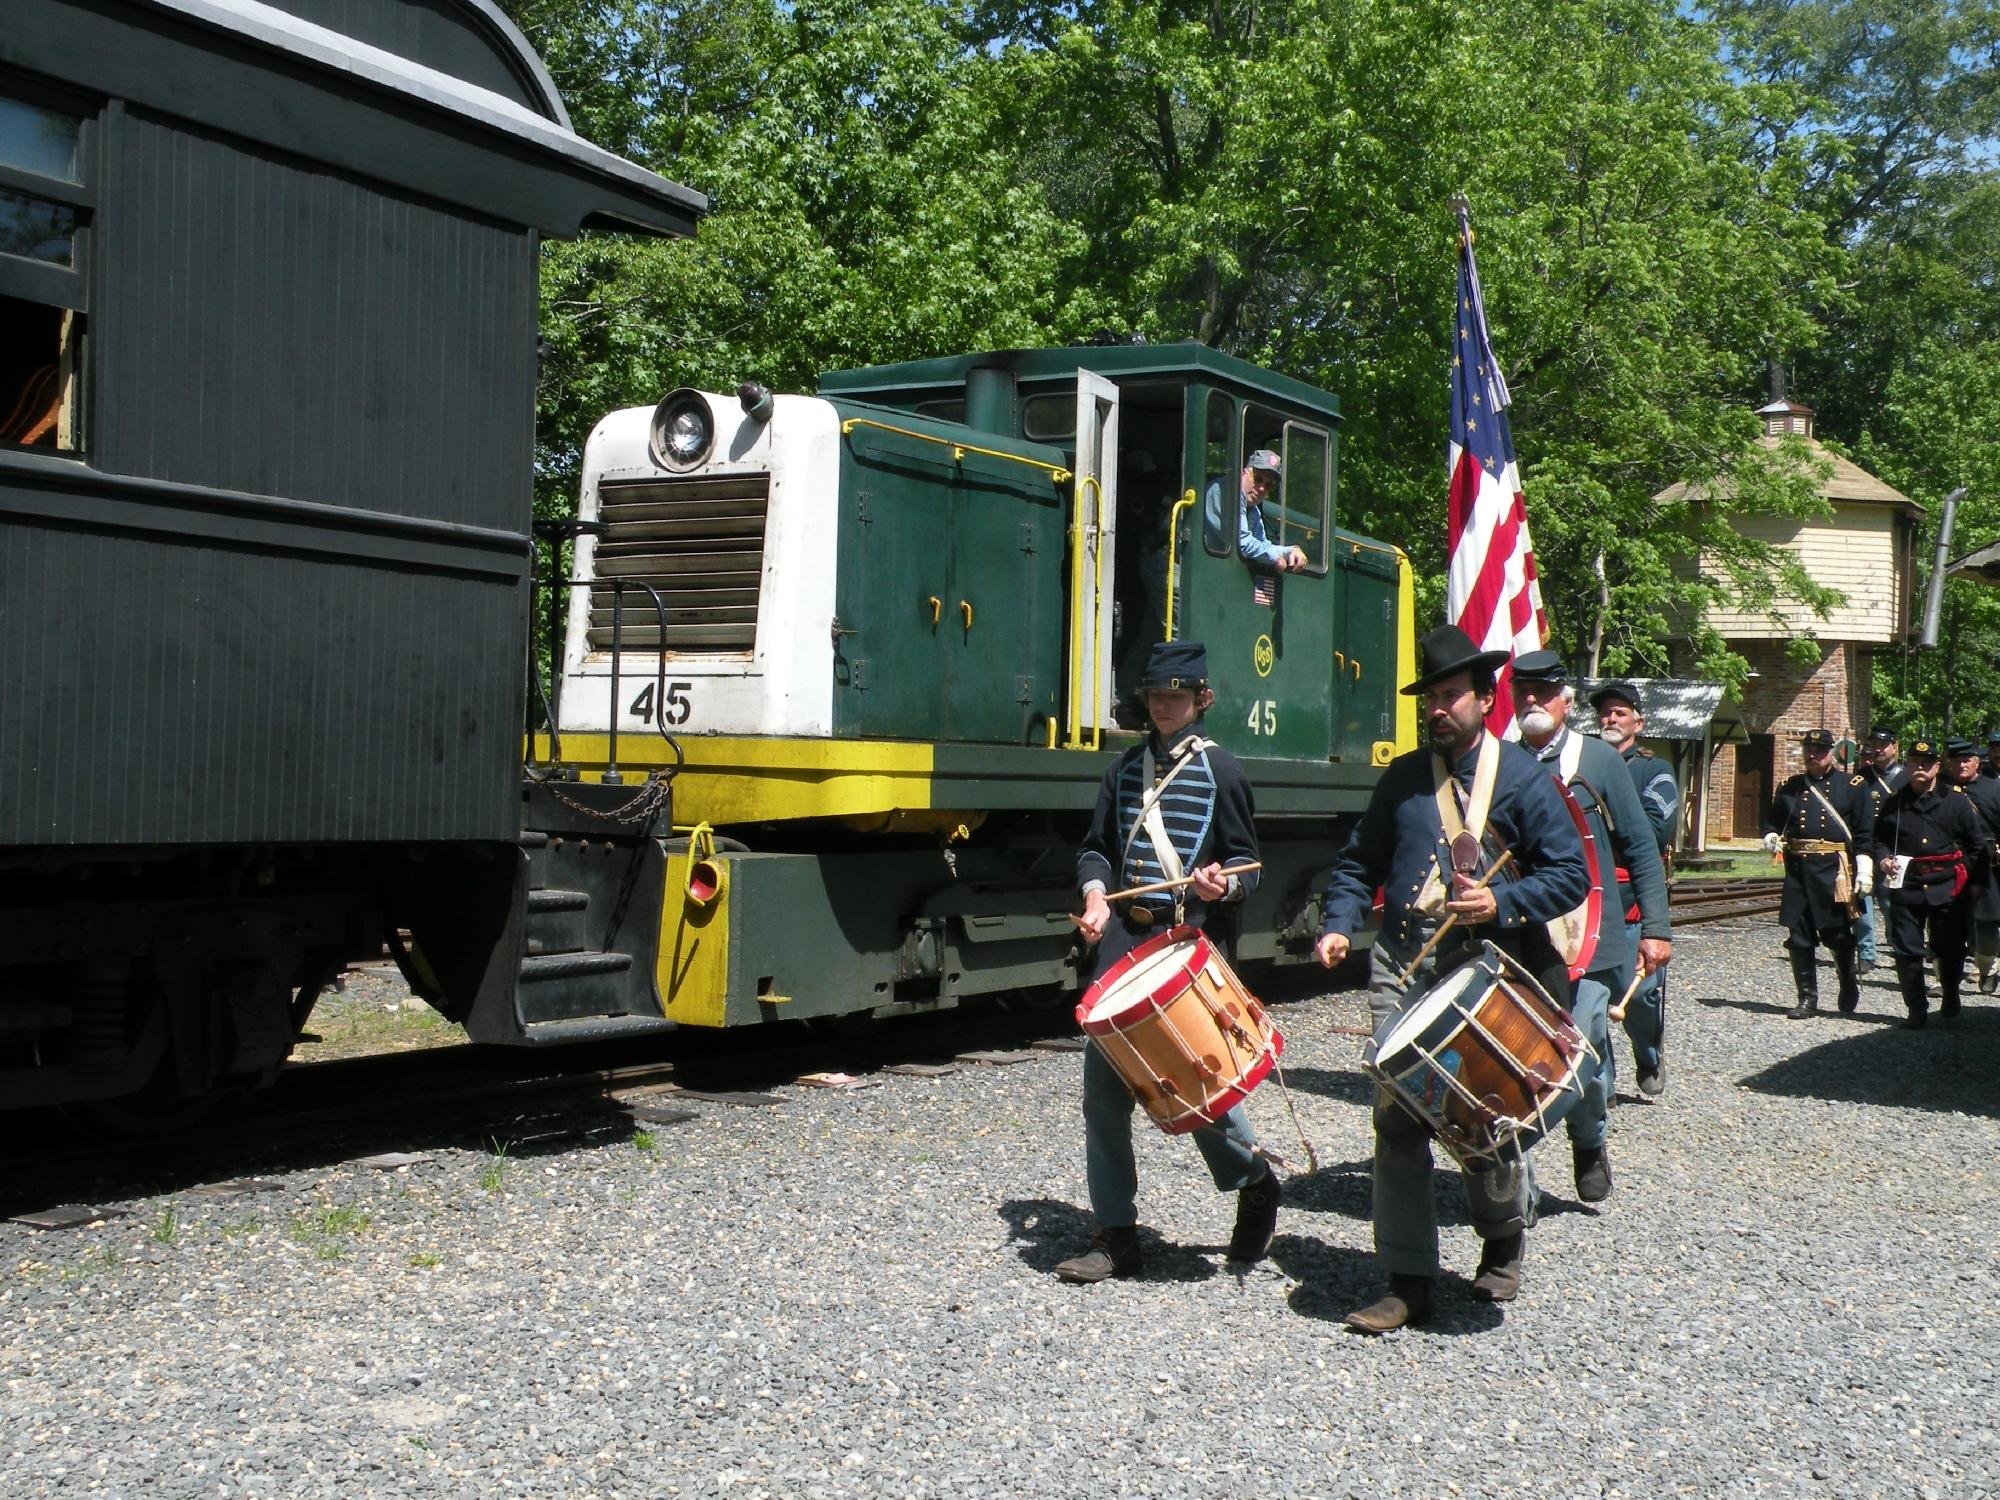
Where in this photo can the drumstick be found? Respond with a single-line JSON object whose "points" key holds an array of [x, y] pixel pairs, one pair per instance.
{"points": [[1452, 920], [1167, 885], [1617, 1012]]}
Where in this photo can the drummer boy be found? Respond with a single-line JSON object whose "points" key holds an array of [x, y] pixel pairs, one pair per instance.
{"points": [[1175, 805]]}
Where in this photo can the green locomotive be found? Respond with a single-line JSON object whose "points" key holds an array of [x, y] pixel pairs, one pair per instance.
{"points": [[878, 637]]}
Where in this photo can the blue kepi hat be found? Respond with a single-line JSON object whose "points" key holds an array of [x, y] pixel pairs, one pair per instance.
{"points": [[1176, 664]]}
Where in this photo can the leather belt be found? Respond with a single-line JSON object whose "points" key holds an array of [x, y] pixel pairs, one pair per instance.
{"points": [[1814, 846]]}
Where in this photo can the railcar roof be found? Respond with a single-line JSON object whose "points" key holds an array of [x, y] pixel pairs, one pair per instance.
{"points": [[636, 197], [1116, 361]]}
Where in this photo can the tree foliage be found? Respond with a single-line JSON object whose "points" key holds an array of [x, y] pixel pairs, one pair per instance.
{"points": [[1670, 200]]}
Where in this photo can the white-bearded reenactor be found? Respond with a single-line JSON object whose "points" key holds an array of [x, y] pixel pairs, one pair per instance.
{"points": [[1621, 719], [1984, 792], [1502, 796], [1822, 819], [1175, 804], [1934, 850], [1596, 775]]}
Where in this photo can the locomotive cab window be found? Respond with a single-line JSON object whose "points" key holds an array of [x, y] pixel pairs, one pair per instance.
{"points": [[1221, 479], [1304, 509], [44, 225]]}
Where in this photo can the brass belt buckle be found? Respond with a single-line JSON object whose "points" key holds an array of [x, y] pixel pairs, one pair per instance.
{"points": [[1140, 916]]}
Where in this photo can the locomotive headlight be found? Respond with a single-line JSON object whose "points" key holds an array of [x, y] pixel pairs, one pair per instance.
{"points": [[683, 430]]}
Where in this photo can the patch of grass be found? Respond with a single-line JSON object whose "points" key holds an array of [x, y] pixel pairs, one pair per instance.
{"points": [[327, 1231], [1730, 864], [426, 1260], [419, 1442], [94, 1262], [645, 1143], [494, 1178]]}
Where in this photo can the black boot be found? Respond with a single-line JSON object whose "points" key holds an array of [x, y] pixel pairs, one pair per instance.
{"points": [[1805, 978], [1910, 975], [1256, 1220], [1499, 1275], [1850, 979]]}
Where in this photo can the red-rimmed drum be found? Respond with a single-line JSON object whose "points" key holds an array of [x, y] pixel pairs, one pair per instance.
{"points": [[1484, 1057], [1176, 1024], [1575, 933]]}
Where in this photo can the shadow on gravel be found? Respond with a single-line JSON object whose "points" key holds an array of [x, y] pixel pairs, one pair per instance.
{"points": [[1336, 1188], [1333, 1280], [1048, 1231], [1349, 1084], [1827, 1011], [1949, 1067]]}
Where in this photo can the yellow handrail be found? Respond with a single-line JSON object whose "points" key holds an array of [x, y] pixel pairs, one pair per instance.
{"points": [[1075, 738], [1173, 555], [1056, 472]]}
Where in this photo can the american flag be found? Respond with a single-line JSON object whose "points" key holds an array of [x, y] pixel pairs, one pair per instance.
{"points": [[1493, 594]]}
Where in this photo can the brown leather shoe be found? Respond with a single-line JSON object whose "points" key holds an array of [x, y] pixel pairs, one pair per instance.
{"points": [[1408, 1301], [1112, 1252], [1499, 1277]]}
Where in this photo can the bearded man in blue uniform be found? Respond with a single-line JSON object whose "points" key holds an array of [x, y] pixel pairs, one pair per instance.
{"points": [[1506, 799], [1176, 804]]}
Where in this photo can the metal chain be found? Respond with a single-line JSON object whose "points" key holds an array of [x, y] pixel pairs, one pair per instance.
{"points": [[640, 808]]}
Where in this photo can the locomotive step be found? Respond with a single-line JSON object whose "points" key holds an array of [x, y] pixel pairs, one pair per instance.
{"points": [[558, 922], [592, 1029], [543, 968]]}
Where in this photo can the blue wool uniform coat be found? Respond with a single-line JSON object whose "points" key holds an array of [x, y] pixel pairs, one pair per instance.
{"points": [[1399, 836], [1209, 814], [1624, 832]]}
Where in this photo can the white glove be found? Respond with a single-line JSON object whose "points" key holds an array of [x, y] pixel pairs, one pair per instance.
{"points": [[1864, 874], [1772, 841]]}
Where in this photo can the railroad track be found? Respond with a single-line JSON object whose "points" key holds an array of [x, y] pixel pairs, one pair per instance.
{"points": [[1695, 902], [456, 1095]]}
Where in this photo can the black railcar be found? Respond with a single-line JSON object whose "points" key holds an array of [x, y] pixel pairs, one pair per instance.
{"points": [[267, 330]]}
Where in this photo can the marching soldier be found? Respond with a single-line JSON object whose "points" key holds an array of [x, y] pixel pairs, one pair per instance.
{"points": [[1984, 792], [1175, 805], [1882, 774], [1621, 719], [1823, 822], [1991, 767], [1622, 832], [1468, 781], [1934, 847]]}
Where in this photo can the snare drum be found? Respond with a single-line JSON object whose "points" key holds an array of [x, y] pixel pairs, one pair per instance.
{"points": [[1177, 1025], [1484, 1057]]}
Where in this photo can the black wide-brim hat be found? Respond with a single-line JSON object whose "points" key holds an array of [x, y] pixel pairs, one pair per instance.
{"points": [[1448, 650], [1173, 665]]}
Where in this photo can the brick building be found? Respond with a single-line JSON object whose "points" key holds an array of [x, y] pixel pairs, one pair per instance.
{"points": [[1866, 550]]}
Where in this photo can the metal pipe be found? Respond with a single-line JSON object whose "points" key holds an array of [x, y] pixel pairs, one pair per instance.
{"points": [[1935, 597]]}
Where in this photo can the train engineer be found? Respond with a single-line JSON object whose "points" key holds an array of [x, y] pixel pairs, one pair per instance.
{"points": [[1175, 804], [1882, 775], [1823, 822], [1935, 852], [1597, 777], [1984, 791], [1259, 481], [1621, 719], [1473, 781]]}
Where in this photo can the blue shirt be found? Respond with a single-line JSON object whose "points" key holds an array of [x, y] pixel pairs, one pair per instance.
{"points": [[1253, 543]]}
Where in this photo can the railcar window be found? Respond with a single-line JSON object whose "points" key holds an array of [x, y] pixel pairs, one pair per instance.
{"points": [[1222, 479], [38, 369], [39, 140], [45, 209], [37, 229]]}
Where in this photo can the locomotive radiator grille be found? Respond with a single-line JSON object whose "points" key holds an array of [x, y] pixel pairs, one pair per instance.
{"points": [[700, 543]]}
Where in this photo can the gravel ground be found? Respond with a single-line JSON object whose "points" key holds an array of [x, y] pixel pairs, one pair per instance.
{"points": [[1790, 1292]]}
